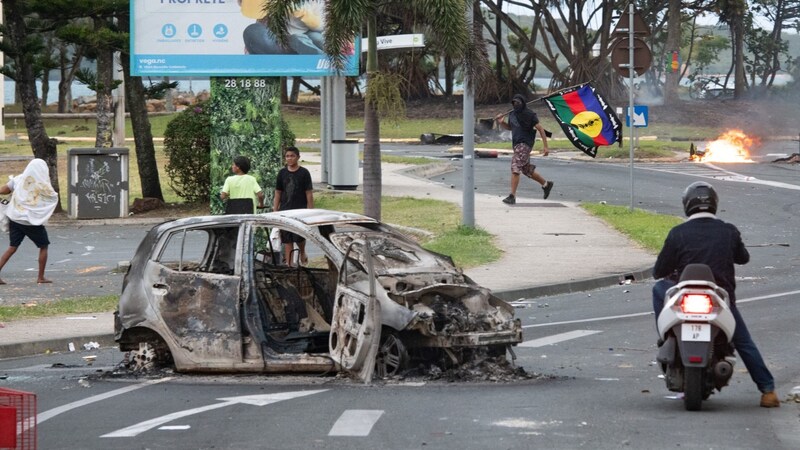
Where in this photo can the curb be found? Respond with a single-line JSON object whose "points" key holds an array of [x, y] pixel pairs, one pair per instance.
{"points": [[573, 286], [59, 345]]}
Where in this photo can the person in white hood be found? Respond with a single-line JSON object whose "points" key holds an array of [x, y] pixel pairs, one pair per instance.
{"points": [[33, 201]]}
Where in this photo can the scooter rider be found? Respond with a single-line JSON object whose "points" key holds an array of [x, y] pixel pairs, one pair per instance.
{"points": [[707, 240]]}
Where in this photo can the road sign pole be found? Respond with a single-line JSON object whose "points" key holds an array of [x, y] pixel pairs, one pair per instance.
{"points": [[631, 74]]}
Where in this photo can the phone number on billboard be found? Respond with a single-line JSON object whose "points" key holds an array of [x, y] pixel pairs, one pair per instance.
{"points": [[245, 83]]}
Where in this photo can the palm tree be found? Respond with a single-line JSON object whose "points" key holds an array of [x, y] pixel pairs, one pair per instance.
{"points": [[345, 20]]}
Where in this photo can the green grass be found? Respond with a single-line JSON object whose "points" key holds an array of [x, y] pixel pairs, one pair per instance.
{"points": [[645, 149], [646, 228], [440, 220], [469, 247], [60, 308]]}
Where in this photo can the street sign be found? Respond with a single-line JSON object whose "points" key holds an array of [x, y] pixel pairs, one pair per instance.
{"points": [[620, 56], [640, 116], [640, 28]]}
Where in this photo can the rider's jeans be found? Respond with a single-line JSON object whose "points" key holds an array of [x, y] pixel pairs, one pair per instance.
{"points": [[742, 341]]}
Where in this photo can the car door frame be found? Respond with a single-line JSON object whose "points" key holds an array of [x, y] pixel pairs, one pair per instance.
{"points": [[356, 325]]}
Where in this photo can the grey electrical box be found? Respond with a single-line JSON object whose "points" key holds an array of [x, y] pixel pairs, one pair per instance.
{"points": [[344, 164], [97, 181]]}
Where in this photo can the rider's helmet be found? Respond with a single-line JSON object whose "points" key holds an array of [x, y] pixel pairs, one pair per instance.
{"points": [[700, 197]]}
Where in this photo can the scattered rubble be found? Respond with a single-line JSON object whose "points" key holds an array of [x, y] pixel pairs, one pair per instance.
{"points": [[794, 158]]}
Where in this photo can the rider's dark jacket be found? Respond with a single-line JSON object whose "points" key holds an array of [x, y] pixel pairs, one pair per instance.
{"points": [[707, 240]]}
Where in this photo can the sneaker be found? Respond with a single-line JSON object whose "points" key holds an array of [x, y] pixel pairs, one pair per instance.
{"points": [[546, 188], [510, 200], [770, 400]]}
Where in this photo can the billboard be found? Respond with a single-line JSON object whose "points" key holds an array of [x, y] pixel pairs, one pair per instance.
{"points": [[228, 38]]}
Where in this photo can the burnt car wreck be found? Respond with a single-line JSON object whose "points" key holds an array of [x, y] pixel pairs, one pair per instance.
{"points": [[211, 294]]}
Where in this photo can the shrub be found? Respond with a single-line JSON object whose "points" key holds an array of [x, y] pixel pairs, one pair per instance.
{"points": [[187, 144]]}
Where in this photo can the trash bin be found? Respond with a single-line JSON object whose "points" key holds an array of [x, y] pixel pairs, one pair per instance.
{"points": [[97, 181], [344, 164]]}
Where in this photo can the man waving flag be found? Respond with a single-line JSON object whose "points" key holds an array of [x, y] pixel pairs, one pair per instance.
{"points": [[586, 118]]}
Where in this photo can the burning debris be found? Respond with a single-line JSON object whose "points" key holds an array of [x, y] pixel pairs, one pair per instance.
{"points": [[732, 146]]}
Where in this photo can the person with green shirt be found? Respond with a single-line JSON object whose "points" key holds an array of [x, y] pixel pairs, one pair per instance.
{"points": [[240, 185]]}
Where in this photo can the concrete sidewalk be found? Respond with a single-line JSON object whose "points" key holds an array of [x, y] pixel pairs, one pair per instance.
{"points": [[549, 247]]}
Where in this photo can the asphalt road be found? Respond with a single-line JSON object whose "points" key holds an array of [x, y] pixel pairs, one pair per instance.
{"points": [[596, 386], [592, 353]]}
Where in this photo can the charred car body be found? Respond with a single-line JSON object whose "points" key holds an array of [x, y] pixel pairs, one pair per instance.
{"points": [[211, 294]]}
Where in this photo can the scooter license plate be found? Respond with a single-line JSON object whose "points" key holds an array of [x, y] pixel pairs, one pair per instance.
{"points": [[698, 332]]}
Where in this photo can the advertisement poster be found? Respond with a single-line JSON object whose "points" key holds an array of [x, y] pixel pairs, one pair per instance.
{"points": [[228, 38]]}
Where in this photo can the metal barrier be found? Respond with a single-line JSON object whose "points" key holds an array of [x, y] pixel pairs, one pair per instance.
{"points": [[17, 419]]}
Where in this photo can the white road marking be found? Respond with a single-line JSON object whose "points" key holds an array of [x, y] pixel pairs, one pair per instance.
{"points": [[765, 297], [627, 316], [707, 170], [593, 319], [355, 422], [49, 414], [255, 400], [556, 338], [175, 427]]}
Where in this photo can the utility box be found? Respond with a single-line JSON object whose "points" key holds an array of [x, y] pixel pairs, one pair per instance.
{"points": [[97, 181], [344, 165]]}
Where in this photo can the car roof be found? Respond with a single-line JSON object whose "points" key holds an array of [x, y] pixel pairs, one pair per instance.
{"points": [[307, 217]]}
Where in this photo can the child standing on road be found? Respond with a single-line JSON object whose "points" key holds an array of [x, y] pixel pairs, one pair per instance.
{"points": [[32, 202]]}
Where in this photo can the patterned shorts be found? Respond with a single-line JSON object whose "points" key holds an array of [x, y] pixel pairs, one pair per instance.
{"points": [[521, 161]]}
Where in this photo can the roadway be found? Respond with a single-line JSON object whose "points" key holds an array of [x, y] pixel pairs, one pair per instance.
{"points": [[591, 356]]}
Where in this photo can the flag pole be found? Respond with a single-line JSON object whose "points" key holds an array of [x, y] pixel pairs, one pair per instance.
{"points": [[631, 74], [558, 92]]}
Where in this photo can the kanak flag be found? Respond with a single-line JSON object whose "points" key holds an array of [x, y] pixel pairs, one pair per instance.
{"points": [[586, 118]]}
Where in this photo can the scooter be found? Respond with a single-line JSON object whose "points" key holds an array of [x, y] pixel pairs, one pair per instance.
{"points": [[696, 327]]}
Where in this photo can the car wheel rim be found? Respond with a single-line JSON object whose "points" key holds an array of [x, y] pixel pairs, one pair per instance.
{"points": [[392, 356]]}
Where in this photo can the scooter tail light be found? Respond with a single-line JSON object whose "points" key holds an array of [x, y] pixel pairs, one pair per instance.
{"points": [[696, 304]]}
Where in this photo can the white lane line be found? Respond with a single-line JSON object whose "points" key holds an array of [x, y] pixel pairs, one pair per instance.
{"points": [[765, 297], [254, 400], [627, 316], [355, 422], [593, 319], [556, 338], [49, 414], [175, 427]]}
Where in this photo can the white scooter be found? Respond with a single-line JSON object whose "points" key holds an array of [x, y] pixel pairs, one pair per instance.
{"points": [[696, 326]]}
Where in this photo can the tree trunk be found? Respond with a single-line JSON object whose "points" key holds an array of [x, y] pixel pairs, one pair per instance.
{"points": [[672, 44], [45, 87], [68, 67], [738, 36], [372, 130], [43, 146], [142, 134], [498, 31], [169, 100], [105, 99], [295, 95], [449, 74]]}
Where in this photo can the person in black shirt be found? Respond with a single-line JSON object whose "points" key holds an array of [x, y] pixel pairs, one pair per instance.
{"points": [[704, 239], [523, 124], [293, 190]]}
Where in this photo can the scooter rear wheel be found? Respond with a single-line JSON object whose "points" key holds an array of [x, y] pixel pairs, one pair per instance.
{"points": [[693, 388]]}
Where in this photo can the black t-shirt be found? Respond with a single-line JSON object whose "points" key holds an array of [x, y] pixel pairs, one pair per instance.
{"points": [[293, 187], [522, 126]]}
